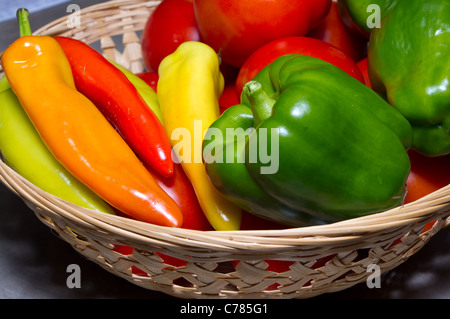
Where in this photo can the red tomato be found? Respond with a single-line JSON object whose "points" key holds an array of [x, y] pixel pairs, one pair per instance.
{"points": [[237, 28], [333, 30], [151, 78], [427, 175], [169, 25], [295, 45], [362, 65]]}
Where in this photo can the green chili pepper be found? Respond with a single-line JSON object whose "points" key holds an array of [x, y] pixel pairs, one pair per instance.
{"points": [[24, 151]]}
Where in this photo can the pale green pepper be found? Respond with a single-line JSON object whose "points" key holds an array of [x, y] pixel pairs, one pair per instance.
{"points": [[25, 152]]}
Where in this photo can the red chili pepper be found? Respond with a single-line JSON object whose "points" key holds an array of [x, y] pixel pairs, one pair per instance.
{"points": [[180, 189], [119, 101]]}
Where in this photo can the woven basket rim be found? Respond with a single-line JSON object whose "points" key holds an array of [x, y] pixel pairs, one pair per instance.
{"points": [[397, 219], [326, 234]]}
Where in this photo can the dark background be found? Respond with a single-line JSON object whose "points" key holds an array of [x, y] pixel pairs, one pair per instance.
{"points": [[33, 261]]}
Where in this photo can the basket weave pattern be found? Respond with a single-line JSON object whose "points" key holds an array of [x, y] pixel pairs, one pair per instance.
{"points": [[386, 239]]}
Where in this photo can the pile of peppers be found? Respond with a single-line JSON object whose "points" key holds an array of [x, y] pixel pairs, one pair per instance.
{"points": [[304, 144]]}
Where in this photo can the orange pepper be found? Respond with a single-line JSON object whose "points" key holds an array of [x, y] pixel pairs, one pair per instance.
{"points": [[79, 136]]}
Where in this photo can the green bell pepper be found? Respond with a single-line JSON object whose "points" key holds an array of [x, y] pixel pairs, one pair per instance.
{"points": [[360, 14], [409, 65], [309, 145]]}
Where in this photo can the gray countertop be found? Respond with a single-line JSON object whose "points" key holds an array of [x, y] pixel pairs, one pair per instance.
{"points": [[33, 261]]}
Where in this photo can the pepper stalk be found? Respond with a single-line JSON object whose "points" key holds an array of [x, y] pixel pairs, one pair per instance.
{"points": [[22, 15], [260, 102]]}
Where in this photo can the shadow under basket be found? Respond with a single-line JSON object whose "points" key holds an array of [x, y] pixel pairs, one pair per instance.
{"points": [[221, 264]]}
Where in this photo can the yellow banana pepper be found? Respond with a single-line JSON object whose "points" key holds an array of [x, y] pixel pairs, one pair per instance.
{"points": [[78, 135], [189, 86]]}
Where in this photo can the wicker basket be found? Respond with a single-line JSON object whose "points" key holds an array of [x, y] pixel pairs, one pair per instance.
{"points": [[210, 273]]}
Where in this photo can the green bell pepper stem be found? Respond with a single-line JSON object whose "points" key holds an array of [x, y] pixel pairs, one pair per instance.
{"points": [[260, 101], [24, 23]]}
